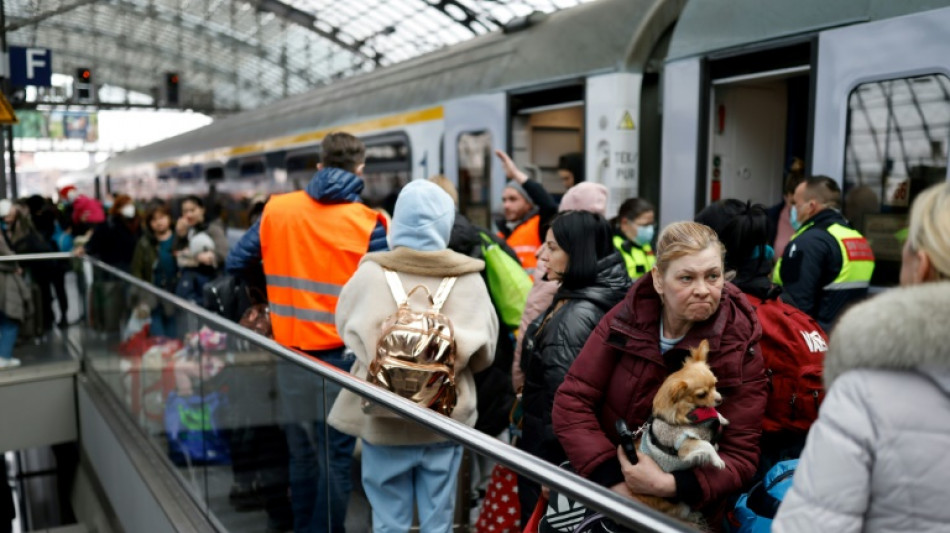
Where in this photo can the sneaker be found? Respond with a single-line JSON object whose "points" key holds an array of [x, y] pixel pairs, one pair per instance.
{"points": [[12, 362]]}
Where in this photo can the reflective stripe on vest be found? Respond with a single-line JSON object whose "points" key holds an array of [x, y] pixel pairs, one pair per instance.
{"points": [[524, 240], [310, 250], [638, 260], [857, 259]]}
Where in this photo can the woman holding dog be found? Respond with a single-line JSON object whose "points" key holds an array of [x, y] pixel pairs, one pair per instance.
{"points": [[579, 256], [681, 302], [876, 458]]}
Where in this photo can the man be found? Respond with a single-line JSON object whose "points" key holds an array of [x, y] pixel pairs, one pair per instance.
{"points": [[310, 243], [827, 265], [527, 208]]}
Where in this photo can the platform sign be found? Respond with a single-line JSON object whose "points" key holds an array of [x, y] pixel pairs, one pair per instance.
{"points": [[31, 66], [7, 116]]}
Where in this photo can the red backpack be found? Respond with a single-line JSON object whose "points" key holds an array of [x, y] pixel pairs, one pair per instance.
{"points": [[793, 346]]}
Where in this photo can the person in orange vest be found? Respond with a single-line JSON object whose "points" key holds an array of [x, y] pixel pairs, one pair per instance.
{"points": [[527, 209], [310, 243]]}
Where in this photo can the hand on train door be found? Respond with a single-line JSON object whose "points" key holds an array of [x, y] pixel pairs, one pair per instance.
{"points": [[511, 170]]}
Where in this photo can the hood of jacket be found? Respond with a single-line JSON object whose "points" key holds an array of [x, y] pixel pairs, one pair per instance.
{"points": [[901, 329], [609, 287], [332, 184]]}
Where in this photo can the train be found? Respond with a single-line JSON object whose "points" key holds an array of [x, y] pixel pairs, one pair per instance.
{"points": [[679, 102]]}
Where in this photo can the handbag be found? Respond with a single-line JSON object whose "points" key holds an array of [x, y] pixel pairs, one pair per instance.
{"points": [[508, 283]]}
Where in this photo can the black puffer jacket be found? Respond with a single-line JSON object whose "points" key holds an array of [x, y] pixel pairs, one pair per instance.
{"points": [[492, 385], [550, 350]]}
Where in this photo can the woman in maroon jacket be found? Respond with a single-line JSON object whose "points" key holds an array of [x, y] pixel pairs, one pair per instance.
{"points": [[638, 344]]}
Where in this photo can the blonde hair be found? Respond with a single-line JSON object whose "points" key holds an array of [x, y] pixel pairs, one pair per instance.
{"points": [[446, 185], [680, 239], [929, 229]]}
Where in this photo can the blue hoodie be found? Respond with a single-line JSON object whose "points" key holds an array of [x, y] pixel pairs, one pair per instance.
{"points": [[328, 185]]}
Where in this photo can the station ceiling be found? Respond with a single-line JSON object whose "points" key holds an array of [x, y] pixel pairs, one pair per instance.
{"points": [[233, 55]]}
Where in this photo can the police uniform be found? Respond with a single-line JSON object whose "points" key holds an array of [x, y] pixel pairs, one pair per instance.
{"points": [[638, 259], [826, 266]]}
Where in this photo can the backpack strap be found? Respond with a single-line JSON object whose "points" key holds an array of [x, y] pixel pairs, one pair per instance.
{"points": [[395, 286], [442, 293]]}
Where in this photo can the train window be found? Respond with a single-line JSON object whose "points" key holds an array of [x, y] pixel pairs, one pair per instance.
{"points": [[301, 166], [252, 169], [896, 147], [214, 173], [474, 179], [388, 168]]}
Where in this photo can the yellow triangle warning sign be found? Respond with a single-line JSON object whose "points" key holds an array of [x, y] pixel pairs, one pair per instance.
{"points": [[626, 122], [7, 116]]}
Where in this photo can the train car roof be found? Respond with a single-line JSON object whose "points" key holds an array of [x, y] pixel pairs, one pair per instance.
{"points": [[599, 36], [709, 25]]}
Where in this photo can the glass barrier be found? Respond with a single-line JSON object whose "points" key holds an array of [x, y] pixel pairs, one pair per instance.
{"points": [[242, 421]]}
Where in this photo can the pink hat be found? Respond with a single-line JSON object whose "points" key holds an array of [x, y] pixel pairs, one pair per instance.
{"points": [[586, 196]]}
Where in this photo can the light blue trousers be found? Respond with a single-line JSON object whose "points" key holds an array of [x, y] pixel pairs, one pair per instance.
{"points": [[395, 476]]}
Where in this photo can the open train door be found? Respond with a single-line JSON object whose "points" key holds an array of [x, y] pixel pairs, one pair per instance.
{"points": [[474, 127], [882, 123]]}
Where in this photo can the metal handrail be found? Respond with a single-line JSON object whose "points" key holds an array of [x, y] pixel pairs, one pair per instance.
{"points": [[626, 512]]}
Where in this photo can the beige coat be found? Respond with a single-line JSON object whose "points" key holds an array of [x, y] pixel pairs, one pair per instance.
{"points": [[366, 302], [15, 301]]}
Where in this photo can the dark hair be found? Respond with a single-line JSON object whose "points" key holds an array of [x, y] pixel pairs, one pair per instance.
{"points": [[630, 209], [157, 209], [193, 199], [586, 239], [742, 228], [823, 189], [573, 163], [342, 150]]}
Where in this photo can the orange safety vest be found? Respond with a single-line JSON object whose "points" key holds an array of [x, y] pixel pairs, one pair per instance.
{"points": [[524, 240], [310, 250]]}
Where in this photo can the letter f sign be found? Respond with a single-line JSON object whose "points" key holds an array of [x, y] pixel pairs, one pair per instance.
{"points": [[35, 58]]}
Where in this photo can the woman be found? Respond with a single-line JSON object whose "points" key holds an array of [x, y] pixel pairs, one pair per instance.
{"points": [[578, 255], [402, 462], [114, 241], [154, 262], [876, 458], [633, 232], [792, 342], [14, 296], [201, 249], [682, 301]]}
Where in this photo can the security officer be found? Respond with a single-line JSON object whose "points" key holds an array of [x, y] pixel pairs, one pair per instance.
{"points": [[827, 265], [634, 227]]}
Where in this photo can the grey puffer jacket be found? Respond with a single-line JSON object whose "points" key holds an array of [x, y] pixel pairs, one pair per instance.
{"points": [[876, 459]]}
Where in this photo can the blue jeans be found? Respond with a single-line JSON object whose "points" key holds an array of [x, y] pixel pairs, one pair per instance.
{"points": [[9, 329], [320, 456], [395, 476]]}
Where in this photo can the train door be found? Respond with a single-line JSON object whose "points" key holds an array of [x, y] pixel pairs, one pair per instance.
{"points": [[547, 124], [757, 122], [882, 123], [474, 127]]}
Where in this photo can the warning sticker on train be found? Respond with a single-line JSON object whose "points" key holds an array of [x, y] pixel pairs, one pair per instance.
{"points": [[626, 122], [7, 116]]}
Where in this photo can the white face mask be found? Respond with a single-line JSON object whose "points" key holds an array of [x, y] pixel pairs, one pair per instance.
{"points": [[128, 211]]}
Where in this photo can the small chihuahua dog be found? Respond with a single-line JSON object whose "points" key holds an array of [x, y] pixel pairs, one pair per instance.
{"points": [[685, 425]]}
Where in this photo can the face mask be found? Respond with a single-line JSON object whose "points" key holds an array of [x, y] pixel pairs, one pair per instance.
{"points": [[793, 218], [645, 234], [128, 211]]}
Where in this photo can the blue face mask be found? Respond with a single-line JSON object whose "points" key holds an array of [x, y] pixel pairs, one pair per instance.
{"points": [[793, 218], [644, 235]]}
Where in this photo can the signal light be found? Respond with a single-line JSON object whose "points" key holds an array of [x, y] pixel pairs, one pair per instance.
{"points": [[83, 84], [171, 88]]}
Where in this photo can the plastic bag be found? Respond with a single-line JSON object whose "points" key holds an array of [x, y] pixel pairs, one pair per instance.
{"points": [[193, 433], [508, 282]]}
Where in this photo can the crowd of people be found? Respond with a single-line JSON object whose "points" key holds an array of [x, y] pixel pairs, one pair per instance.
{"points": [[615, 307]]}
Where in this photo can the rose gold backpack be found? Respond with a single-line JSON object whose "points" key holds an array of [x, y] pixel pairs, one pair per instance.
{"points": [[415, 353]]}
